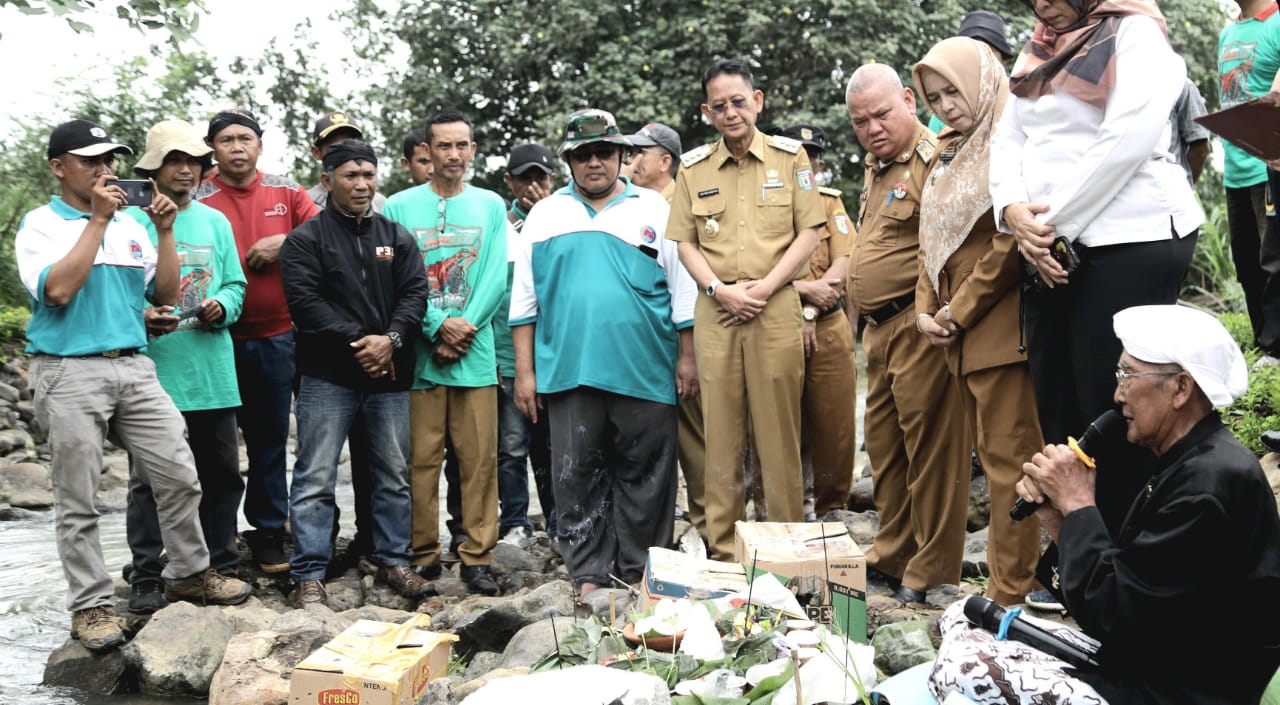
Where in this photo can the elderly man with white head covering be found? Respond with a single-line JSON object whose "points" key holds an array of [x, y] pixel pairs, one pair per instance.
{"points": [[1200, 540]]}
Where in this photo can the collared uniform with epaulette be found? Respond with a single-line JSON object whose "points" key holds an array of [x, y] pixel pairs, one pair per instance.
{"points": [[829, 407], [914, 425], [743, 214]]}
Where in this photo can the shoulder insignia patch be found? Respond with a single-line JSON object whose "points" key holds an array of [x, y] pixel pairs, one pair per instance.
{"points": [[695, 155], [786, 144], [828, 191], [925, 149]]}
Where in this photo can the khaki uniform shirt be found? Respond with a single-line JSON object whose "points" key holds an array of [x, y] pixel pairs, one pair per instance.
{"points": [[744, 213], [883, 263], [836, 237]]}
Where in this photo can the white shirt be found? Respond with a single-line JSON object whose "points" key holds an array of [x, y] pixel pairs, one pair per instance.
{"points": [[1106, 175]]}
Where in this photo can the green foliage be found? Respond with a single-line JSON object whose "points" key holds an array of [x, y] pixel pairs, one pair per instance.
{"points": [[180, 17], [1211, 279], [13, 322], [1259, 409]]}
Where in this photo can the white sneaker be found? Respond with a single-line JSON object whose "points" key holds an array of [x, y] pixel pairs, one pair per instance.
{"points": [[519, 536]]}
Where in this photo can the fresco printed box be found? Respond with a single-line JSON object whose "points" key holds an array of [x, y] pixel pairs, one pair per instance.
{"points": [[372, 663]]}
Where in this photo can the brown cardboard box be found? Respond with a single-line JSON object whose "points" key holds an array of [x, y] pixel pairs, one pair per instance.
{"points": [[372, 663], [672, 574], [819, 562]]}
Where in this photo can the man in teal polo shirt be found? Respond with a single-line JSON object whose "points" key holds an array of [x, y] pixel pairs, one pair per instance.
{"points": [[87, 271]]}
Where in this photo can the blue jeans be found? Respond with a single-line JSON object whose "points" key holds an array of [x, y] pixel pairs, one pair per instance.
{"points": [[513, 461], [325, 413], [264, 370]]}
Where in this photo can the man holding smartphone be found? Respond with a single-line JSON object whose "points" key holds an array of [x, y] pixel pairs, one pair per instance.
{"points": [[87, 271], [191, 347]]}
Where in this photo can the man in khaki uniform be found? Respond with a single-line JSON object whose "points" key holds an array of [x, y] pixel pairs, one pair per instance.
{"points": [[914, 427], [746, 216], [654, 160], [830, 370]]}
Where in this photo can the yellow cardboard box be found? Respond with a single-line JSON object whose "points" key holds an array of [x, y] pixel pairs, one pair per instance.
{"points": [[818, 561], [676, 575], [372, 663]]}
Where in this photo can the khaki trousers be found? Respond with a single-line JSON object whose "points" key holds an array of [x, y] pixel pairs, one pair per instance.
{"points": [[1000, 413], [693, 458], [830, 413], [756, 371], [469, 416], [919, 454]]}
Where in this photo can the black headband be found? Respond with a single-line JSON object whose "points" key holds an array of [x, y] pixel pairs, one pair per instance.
{"points": [[346, 151], [227, 118]]}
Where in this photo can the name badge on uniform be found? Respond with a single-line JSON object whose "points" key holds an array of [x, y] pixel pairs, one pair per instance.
{"points": [[709, 192], [768, 186]]}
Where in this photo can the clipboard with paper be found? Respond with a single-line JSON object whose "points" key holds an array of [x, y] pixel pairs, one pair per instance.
{"points": [[1253, 126]]}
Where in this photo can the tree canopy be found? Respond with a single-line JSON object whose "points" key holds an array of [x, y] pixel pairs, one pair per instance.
{"points": [[180, 17]]}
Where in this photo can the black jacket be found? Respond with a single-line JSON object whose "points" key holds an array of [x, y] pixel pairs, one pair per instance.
{"points": [[344, 281]]}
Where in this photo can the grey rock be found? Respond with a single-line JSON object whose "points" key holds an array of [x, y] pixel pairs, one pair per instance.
{"points": [[26, 411], [975, 555], [179, 649], [345, 593], [16, 439], [73, 666], [10, 513], [508, 558], [485, 661], [26, 485], [862, 526], [250, 616], [979, 514], [256, 666], [860, 496], [439, 692], [523, 580], [450, 585], [383, 596], [532, 644], [116, 500], [1271, 468], [447, 618], [580, 685], [942, 596], [311, 618], [598, 601], [9, 393], [902, 645], [375, 613], [115, 473], [491, 629]]}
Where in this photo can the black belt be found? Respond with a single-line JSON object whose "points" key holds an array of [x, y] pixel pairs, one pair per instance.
{"points": [[111, 354], [891, 309], [837, 307]]}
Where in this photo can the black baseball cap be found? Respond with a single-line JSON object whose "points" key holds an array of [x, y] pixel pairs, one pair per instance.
{"points": [[330, 123], [811, 136], [530, 156], [82, 138], [655, 134], [986, 26]]}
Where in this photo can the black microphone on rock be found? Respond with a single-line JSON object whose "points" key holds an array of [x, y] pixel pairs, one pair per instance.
{"points": [[990, 616], [1104, 425]]}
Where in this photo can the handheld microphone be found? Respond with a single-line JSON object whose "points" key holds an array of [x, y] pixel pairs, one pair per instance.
{"points": [[989, 615], [1106, 424]]}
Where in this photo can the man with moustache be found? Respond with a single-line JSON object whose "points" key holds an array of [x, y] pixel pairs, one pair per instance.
{"points": [[263, 209], [746, 216], [191, 347], [462, 233], [914, 425], [356, 291], [593, 258]]}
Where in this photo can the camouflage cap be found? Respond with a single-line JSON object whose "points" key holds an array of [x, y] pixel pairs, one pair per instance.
{"points": [[591, 125]]}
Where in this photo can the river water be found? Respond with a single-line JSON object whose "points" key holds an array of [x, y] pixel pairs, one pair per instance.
{"points": [[34, 620]]}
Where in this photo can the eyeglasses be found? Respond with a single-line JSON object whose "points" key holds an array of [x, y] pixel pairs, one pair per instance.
{"points": [[1123, 376], [599, 150], [738, 103]]}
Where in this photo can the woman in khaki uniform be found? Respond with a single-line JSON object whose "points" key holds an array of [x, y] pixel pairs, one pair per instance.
{"points": [[967, 296]]}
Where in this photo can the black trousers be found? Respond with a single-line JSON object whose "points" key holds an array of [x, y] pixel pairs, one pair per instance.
{"points": [[1269, 335], [1072, 350], [1256, 256], [212, 437], [614, 472]]}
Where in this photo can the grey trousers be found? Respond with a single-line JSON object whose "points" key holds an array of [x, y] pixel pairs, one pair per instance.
{"points": [[82, 401], [613, 465]]}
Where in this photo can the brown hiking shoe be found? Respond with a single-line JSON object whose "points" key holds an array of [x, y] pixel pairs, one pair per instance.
{"points": [[403, 580], [208, 588], [97, 629], [310, 592]]}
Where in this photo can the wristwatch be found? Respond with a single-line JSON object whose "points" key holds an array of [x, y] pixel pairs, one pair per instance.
{"points": [[396, 341], [810, 313], [711, 288]]}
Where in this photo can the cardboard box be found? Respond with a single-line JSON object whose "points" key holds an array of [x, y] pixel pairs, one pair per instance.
{"points": [[819, 562], [372, 663], [672, 574]]}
